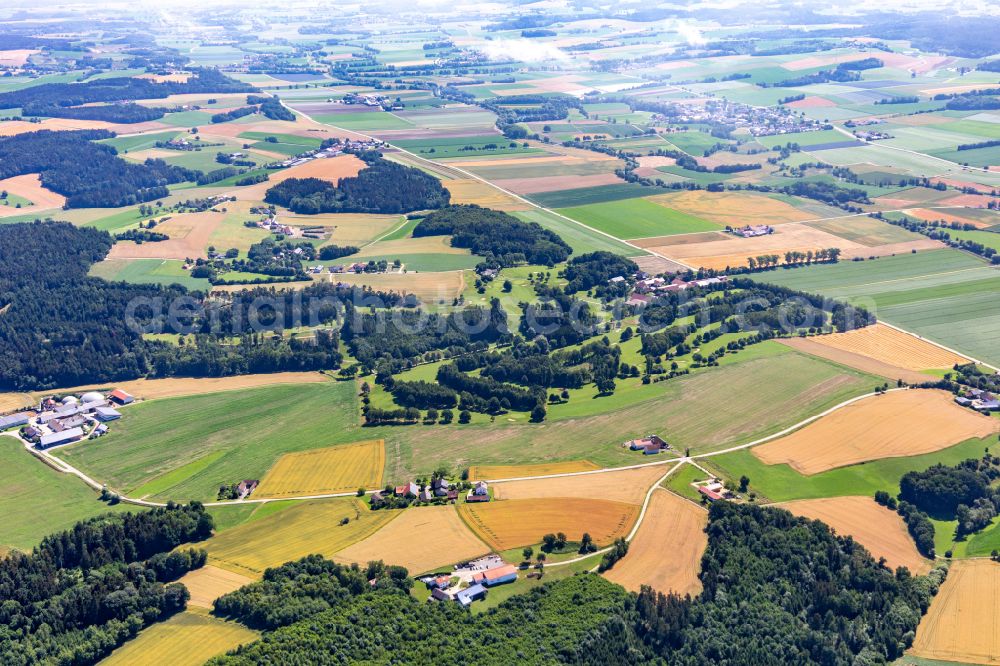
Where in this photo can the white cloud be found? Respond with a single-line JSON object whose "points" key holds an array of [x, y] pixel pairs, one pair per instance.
{"points": [[690, 34], [523, 50]]}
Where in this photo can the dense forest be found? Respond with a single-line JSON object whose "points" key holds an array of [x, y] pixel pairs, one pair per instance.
{"points": [[88, 174], [48, 340], [381, 187], [502, 239], [64, 100], [777, 589], [83, 592]]}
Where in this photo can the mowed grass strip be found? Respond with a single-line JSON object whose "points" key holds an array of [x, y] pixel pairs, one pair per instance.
{"points": [[186, 639], [481, 472], [638, 218], [514, 523], [172, 478], [310, 527], [332, 470]]}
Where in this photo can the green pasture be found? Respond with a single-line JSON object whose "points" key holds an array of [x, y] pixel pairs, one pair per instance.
{"points": [[638, 218], [36, 501]]}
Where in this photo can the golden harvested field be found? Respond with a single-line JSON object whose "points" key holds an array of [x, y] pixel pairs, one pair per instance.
{"points": [[330, 169], [480, 472], [421, 245], [899, 423], [733, 250], [338, 469], [209, 583], [890, 249], [187, 639], [30, 187], [190, 235], [854, 360], [732, 208], [308, 527], [886, 344], [875, 527], [514, 523], [421, 539], [347, 228], [472, 191], [666, 551], [12, 127], [628, 485], [963, 622], [428, 287]]}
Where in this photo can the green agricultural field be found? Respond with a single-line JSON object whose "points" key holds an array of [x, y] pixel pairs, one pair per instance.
{"points": [[372, 121], [252, 427], [582, 239], [945, 295], [804, 139], [139, 141], [781, 483], [980, 157], [35, 500], [589, 195], [975, 128], [694, 143], [987, 238], [465, 146], [638, 218], [147, 271], [308, 141]]}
